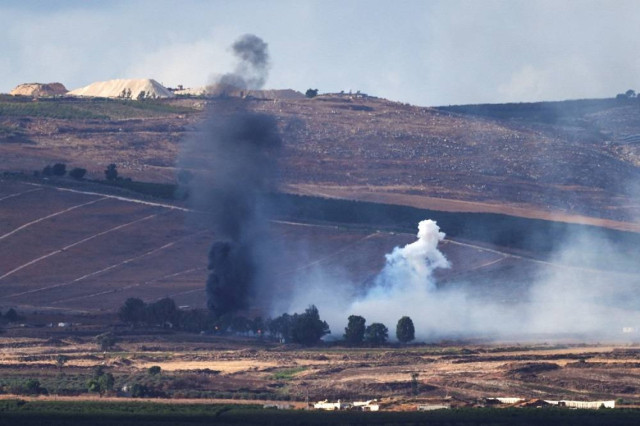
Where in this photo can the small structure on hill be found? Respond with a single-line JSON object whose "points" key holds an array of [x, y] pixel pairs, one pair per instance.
{"points": [[38, 90], [370, 405], [331, 406], [589, 405], [433, 407]]}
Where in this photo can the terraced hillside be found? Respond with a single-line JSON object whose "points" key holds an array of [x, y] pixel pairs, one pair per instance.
{"points": [[80, 250]]}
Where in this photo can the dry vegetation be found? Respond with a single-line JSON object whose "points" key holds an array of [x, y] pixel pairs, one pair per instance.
{"points": [[77, 255], [207, 366], [577, 162]]}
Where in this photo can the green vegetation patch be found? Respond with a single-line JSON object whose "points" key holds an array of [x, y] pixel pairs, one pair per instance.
{"points": [[147, 413], [288, 373], [46, 109], [98, 108]]}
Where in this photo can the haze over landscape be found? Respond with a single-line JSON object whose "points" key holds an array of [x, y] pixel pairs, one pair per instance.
{"points": [[422, 52], [201, 184]]}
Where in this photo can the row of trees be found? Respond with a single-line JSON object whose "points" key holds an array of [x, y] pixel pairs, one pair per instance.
{"points": [[60, 169], [305, 328], [377, 333], [162, 312]]}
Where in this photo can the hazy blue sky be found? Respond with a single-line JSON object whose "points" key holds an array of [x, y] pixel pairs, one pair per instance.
{"points": [[421, 52]]}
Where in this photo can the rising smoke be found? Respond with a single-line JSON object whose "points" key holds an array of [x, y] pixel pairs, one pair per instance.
{"points": [[238, 151], [236, 154], [251, 70], [567, 299]]}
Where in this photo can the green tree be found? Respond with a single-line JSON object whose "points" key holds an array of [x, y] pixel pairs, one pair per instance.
{"points": [[162, 311], [106, 340], [32, 387], [308, 328], [101, 382], [11, 315], [78, 173], [376, 334], [311, 93], [59, 169], [111, 173], [280, 327], [141, 95], [61, 360], [154, 370], [354, 332], [405, 332], [133, 311]]}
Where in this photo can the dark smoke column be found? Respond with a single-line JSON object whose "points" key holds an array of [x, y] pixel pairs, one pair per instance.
{"points": [[244, 170], [235, 163]]}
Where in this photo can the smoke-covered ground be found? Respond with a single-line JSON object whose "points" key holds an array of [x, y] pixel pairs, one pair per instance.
{"points": [[567, 299]]}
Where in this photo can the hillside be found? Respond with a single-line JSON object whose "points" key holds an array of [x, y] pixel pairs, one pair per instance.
{"points": [[86, 251], [565, 161], [82, 246]]}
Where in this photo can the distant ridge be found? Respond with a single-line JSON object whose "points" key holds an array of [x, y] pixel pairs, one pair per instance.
{"points": [[120, 88]]}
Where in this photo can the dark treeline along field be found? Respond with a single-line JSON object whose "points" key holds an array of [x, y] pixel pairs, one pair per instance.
{"points": [[19, 412]]}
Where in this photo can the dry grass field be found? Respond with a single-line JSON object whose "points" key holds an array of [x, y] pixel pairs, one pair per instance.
{"points": [[213, 367]]}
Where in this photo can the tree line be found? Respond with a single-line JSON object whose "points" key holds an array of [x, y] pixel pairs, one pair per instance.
{"points": [[306, 328]]}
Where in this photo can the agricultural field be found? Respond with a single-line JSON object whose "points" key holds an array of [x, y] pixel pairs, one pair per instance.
{"points": [[200, 368], [80, 250]]}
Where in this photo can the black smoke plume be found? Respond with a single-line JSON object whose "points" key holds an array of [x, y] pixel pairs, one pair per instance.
{"points": [[244, 148], [234, 159], [252, 68]]}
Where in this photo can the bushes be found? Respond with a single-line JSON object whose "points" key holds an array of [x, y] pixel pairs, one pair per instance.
{"points": [[78, 173], [27, 387], [106, 340]]}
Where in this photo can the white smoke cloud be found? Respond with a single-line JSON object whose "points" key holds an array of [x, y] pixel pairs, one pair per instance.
{"points": [[568, 299]]}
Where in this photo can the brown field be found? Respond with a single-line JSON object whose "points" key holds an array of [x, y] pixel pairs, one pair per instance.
{"points": [[460, 374], [88, 252]]}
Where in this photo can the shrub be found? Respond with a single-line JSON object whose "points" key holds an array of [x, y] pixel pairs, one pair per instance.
{"points": [[106, 340], [111, 173], [154, 370], [78, 173], [59, 169], [11, 315]]}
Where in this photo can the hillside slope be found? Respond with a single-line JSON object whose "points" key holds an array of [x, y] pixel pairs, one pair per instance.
{"points": [[568, 161]]}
